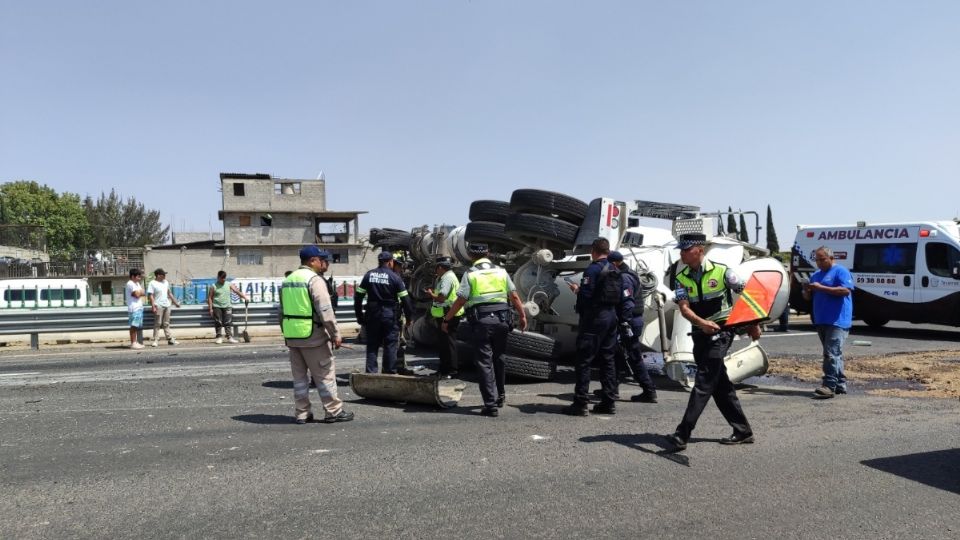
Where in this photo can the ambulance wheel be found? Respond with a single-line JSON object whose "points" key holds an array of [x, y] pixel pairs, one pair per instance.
{"points": [[875, 323], [549, 203], [491, 211], [530, 228]]}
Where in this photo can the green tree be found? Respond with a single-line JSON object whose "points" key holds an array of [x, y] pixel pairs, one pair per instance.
{"points": [[744, 233], [731, 222], [118, 223], [61, 215], [772, 243]]}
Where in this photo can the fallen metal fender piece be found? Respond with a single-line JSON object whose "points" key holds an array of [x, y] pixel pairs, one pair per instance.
{"points": [[405, 388]]}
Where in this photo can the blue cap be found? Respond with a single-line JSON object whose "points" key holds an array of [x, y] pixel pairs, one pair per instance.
{"points": [[688, 240], [615, 256], [308, 252], [385, 256]]}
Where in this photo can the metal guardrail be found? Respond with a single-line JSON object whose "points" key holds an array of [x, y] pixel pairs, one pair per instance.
{"points": [[70, 320]]}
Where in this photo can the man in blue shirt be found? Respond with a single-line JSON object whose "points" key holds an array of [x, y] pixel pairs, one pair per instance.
{"points": [[831, 288]]}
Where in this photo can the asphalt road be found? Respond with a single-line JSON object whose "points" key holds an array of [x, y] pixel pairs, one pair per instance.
{"points": [[197, 441]]}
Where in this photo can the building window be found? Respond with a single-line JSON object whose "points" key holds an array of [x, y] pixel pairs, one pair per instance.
{"points": [[238, 189], [266, 220], [244, 221], [249, 257], [339, 256], [286, 188]]}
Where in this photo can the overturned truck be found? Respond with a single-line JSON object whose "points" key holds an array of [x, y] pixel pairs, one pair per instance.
{"points": [[543, 239]]}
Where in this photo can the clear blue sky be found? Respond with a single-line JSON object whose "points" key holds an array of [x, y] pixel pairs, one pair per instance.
{"points": [[830, 111]]}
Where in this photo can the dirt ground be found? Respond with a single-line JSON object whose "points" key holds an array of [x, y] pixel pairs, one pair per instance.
{"points": [[929, 374]]}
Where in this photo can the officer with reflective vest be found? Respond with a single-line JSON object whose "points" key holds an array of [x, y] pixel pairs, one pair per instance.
{"points": [[704, 297], [386, 294], [598, 301], [444, 294], [631, 328], [487, 292], [309, 327]]}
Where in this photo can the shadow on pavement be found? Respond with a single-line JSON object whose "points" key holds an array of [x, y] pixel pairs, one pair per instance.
{"points": [[642, 442], [264, 418], [534, 408], [940, 469]]}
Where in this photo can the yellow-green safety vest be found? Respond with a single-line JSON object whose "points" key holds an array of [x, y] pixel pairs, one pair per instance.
{"points": [[710, 298], [297, 322], [488, 285], [439, 308]]}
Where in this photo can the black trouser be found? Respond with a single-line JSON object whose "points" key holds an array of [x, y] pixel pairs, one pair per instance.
{"points": [[382, 328], [489, 332], [597, 341], [712, 380], [447, 345], [635, 354]]}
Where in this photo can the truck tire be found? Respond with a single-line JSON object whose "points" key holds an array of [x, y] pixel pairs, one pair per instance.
{"points": [[491, 211], [533, 345], [490, 233], [529, 368], [548, 203], [529, 228]]}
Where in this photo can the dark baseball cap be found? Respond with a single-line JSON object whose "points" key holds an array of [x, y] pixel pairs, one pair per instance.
{"points": [[308, 252], [478, 247], [159, 272], [615, 256], [385, 256]]}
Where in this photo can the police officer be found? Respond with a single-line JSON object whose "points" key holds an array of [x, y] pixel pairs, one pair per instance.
{"points": [[631, 328], [704, 297], [384, 290], [444, 294], [597, 304], [486, 290], [309, 327]]}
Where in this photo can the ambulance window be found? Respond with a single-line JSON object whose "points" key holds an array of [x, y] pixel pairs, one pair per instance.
{"points": [[885, 258], [942, 259]]}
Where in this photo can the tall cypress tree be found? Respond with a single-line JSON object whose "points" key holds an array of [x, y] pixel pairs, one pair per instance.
{"points": [[772, 243], [731, 222], [744, 235]]}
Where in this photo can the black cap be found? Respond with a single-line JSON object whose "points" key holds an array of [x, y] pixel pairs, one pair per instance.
{"points": [[159, 272], [615, 256], [479, 248], [688, 240], [446, 262], [385, 256]]}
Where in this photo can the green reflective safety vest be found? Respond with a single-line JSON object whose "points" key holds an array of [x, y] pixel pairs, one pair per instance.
{"points": [[488, 285], [439, 308], [297, 322], [710, 299]]}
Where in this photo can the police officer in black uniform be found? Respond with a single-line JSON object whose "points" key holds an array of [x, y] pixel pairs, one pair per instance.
{"points": [[631, 327], [597, 338], [704, 297], [384, 290]]}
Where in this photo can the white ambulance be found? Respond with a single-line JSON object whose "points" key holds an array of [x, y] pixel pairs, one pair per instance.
{"points": [[902, 271]]}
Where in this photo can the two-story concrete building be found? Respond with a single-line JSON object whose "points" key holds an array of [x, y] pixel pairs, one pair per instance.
{"points": [[266, 221]]}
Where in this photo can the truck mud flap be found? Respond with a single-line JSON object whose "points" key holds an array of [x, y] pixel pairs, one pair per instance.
{"points": [[404, 388], [529, 368]]}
